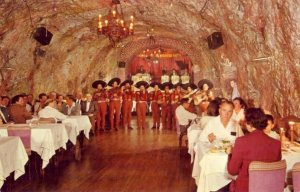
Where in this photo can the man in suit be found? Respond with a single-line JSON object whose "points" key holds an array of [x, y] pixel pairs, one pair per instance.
{"points": [[5, 101], [40, 103], [88, 107], [256, 146], [71, 108], [4, 116], [17, 110]]}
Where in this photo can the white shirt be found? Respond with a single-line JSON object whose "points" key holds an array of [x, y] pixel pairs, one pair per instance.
{"points": [[235, 92], [216, 127], [49, 112], [274, 135], [238, 116], [175, 79], [183, 116], [28, 107], [88, 103], [204, 120], [185, 79], [165, 79]]}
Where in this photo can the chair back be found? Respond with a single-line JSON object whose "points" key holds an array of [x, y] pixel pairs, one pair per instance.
{"points": [[296, 177], [24, 132], [267, 176], [46, 120]]}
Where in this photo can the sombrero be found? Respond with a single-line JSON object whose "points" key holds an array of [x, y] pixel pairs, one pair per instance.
{"points": [[165, 85], [176, 85], [118, 80], [205, 81], [126, 81], [97, 82], [155, 83], [140, 83]]}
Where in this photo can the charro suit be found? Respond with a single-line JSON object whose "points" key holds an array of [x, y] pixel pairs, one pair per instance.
{"points": [[18, 113], [256, 146]]}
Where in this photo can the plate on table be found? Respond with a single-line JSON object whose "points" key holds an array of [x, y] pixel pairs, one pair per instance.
{"points": [[216, 149]]}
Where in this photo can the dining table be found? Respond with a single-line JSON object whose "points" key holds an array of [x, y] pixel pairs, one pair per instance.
{"points": [[13, 158], [75, 124], [212, 172], [45, 139]]}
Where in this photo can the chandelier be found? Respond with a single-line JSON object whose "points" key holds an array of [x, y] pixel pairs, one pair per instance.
{"points": [[113, 24]]}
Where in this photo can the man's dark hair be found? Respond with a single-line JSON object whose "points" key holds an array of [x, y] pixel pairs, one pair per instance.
{"points": [[213, 108], [16, 98], [184, 100], [270, 118], [42, 95], [256, 118], [71, 97], [242, 102]]}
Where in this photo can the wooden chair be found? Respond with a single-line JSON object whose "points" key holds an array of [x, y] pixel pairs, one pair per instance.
{"points": [[24, 132], [46, 120], [296, 177], [267, 176]]}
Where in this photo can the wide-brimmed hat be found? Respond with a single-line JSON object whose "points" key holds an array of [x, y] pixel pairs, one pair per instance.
{"points": [[165, 85], [126, 81], [155, 83], [97, 82], [140, 83], [116, 79], [205, 81], [192, 85], [176, 85]]}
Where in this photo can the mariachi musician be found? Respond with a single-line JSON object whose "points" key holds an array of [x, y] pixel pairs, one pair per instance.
{"points": [[174, 78], [115, 99], [204, 95], [189, 91], [100, 97], [154, 96], [141, 103], [176, 96], [165, 102], [127, 97]]}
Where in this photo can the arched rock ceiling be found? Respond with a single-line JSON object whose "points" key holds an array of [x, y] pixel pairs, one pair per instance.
{"points": [[77, 55]]}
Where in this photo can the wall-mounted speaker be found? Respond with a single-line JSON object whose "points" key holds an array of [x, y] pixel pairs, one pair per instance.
{"points": [[215, 40], [121, 64], [42, 35]]}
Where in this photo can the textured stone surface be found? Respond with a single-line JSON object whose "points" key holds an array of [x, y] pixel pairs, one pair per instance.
{"points": [[261, 49]]}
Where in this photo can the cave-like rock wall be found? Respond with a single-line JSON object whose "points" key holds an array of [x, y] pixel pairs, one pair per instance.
{"points": [[261, 45]]}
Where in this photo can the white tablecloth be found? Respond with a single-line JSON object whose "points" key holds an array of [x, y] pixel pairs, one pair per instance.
{"points": [[45, 139], [75, 124], [213, 173], [213, 170], [193, 133], [13, 157]]}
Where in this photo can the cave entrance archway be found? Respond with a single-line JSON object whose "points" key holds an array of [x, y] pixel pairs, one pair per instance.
{"points": [[135, 48], [158, 60]]}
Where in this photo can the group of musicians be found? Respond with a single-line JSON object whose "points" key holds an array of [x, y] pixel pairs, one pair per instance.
{"points": [[117, 98]]}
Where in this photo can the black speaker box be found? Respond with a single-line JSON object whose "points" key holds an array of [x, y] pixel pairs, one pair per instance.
{"points": [[215, 40], [42, 35], [121, 64]]}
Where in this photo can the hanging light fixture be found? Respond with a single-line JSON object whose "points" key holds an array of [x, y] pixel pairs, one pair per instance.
{"points": [[113, 24]]}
